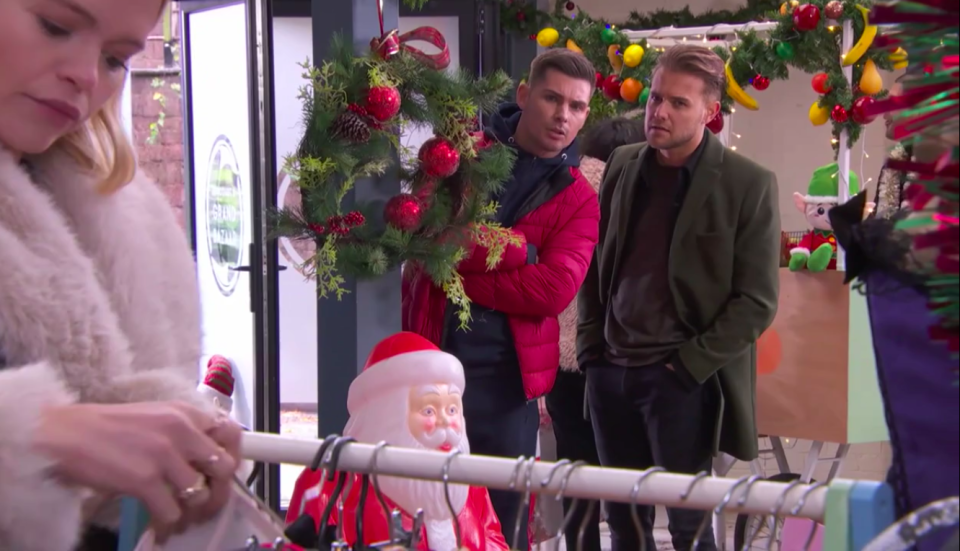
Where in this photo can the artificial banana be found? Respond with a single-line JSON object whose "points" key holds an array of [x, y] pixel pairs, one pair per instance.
{"points": [[866, 39], [572, 46], [737, 93]]}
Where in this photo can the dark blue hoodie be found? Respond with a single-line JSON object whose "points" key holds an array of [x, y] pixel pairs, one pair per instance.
{"points": [[487, 347]]}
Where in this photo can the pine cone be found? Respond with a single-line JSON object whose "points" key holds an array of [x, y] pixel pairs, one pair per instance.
{"points": [[352, 127]]}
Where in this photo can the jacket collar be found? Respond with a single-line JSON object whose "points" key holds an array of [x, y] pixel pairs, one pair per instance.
{"points": [[704, 165]]}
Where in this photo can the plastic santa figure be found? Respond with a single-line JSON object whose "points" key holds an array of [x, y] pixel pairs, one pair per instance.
{"points": [[410, 395], [817, 250]]}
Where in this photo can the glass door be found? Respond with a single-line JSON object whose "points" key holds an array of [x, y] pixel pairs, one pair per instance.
{"points": [[221, 191]]}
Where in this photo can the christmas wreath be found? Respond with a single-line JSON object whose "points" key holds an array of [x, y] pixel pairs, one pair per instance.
{"points": [[354, 108]]}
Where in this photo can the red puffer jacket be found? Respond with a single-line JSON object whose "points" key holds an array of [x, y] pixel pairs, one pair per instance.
{"points": [[564, 229]]}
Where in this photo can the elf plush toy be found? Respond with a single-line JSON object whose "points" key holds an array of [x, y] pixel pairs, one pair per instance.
{"points": [[817, 250]]}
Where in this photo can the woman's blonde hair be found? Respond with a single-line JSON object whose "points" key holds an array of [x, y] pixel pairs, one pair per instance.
{"points": [[102, 147]]}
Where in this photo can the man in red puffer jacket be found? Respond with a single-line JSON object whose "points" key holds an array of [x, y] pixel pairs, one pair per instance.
{"points": [[511, 351]]}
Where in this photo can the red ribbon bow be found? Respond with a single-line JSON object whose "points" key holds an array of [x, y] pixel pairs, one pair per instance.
{"points": [[390, 44]]}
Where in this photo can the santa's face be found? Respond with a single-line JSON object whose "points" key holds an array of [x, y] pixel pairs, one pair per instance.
{"points": [[435, 416], [818, 215]]}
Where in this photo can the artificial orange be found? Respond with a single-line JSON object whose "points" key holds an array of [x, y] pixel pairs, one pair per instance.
{"points": [[630, 90]]}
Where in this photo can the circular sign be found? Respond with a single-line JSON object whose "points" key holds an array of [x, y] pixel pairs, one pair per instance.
{"points": [[224, 215]]}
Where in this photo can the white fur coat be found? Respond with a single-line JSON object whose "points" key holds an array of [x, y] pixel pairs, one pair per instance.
{"points": [[98, 303]]}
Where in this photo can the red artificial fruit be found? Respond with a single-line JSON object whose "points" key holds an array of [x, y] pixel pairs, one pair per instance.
{"points": [[819, 83]]}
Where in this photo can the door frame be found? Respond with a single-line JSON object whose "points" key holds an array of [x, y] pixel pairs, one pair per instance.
{"points": [[263, 261]]}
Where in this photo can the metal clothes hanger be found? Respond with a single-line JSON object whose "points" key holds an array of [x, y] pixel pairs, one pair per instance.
{"points": [[796, 510], [634, 510], [749, 481], [446, 494], [543, 485], [775, 514], [325, 536], [568, 518], [525, 500]]}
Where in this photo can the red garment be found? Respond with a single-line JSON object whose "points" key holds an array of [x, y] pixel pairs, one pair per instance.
{"points": [[479, 526], [565, 230], [812, 240]]}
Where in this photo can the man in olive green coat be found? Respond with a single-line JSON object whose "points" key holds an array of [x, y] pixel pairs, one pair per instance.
{"points": [[683, 282]]}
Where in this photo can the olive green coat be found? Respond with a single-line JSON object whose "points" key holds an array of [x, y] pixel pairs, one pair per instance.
{"points": [[723, 269]]}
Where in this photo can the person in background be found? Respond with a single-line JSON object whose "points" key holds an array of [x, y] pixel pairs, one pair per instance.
{"points": [[565, 403], [684, 281], [511, 351], [99, 305]]}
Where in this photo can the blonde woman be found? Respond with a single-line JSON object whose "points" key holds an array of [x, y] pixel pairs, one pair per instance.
{"points": [[99, 314]]}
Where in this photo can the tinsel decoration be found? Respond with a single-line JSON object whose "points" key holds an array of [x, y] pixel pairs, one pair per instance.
{"points": [[349, 105], [772, 55], [927, 116]]}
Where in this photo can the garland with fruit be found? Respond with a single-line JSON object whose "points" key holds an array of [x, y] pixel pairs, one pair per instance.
{"points": [[354, 108], [807, 37]]}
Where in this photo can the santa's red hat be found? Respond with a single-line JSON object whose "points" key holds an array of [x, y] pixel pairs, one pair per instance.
{"points": [[401, 361]]}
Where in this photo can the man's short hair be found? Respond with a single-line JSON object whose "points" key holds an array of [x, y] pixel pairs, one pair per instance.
{"points": [[606, 135], [698, 61], [565, 61]]}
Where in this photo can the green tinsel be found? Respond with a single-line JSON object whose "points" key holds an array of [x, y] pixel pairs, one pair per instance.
{"points": [[933, 49], [816, 51]]}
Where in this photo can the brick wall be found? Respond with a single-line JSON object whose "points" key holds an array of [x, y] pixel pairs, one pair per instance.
{"points": [[155, 92]]}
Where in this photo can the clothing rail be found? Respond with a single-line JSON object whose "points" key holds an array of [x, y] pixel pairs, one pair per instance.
{"points": [[663, 488], [678, 32]]}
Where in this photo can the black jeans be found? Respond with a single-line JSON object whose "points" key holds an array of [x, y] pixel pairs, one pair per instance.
{"points": [[645, 417], [501, 422], [575, 441]]}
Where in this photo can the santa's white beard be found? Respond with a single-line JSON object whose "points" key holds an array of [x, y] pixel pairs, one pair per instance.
{"points": [[386, 419]]}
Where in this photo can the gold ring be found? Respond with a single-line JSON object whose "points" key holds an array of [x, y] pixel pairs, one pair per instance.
{"points": [[195, 490]]}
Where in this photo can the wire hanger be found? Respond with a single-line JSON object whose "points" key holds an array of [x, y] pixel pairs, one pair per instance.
{"points": [[775, 514], [525, 499], [727, 498], [446, 494], [325, 536], [634, 510], [568, 518]]}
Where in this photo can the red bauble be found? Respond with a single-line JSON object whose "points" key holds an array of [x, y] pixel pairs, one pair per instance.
{"points": [[761, 82], [521, 16], [571, 6], [833, 10], [599, 77], [404, 212], [438, 157], [819, 83], [839, 114], [858, 112], [383, 102], [611, 87], [716, 124], [806, 17]]}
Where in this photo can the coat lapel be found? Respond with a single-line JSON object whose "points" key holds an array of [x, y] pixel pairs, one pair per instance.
{"points": [[623, 202], [705, 178]]}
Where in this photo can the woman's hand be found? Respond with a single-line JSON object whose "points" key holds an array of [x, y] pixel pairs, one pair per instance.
{"points": [[176, 459]]}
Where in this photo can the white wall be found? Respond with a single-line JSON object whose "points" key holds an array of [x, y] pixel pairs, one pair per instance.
{"points": [[779, 135]]}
